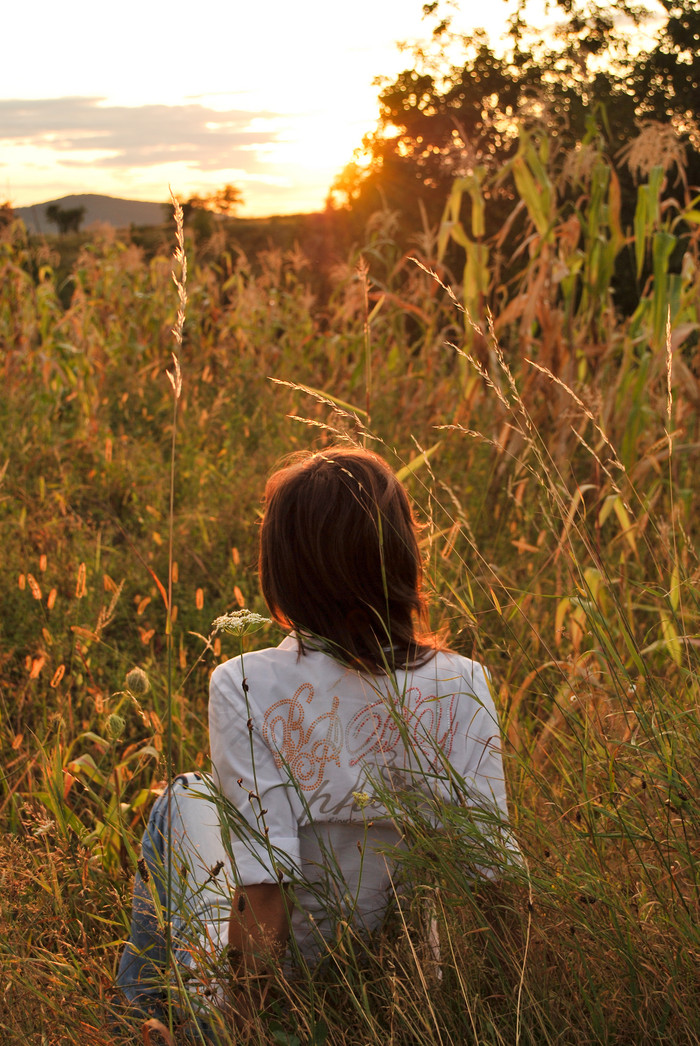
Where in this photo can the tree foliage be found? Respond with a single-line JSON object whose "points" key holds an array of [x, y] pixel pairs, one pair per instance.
{"points": [[200, 211], [667, 79], [225, 201], [66, 219], [7, 214], [445, 118]]}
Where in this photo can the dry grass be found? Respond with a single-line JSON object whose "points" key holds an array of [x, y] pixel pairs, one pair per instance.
{"points": [[553, 456]]}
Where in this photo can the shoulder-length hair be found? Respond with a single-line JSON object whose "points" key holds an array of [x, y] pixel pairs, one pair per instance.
{"points": [[340, 562]]}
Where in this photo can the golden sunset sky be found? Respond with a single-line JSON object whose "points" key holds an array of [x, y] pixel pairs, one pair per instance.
{"points": [[126, 99]]}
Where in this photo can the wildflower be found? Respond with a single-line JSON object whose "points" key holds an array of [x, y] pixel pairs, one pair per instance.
{"points": [[137, 682], [239, 623], [362, 799]]}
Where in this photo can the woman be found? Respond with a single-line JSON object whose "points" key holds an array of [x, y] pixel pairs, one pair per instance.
{"points": [[310, 740]]}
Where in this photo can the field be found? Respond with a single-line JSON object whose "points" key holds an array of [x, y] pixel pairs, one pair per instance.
{"points": [[551, 448]]}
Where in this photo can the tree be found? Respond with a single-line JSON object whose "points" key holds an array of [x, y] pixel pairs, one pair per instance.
{"points": [[489, 147], [7, 214], [66, 219], [440, 119], [433, 126], [200, 212], [667, 79], [224, 201]]}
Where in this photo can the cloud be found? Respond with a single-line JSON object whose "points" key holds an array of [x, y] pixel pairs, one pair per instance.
{"points": [[121, 136]]}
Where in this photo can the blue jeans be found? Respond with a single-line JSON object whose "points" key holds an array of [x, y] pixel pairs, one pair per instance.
{"points": [[201, 885]]}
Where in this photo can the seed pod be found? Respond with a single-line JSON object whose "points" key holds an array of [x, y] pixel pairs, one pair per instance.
{"points": [[116, 725], [137, 682]]}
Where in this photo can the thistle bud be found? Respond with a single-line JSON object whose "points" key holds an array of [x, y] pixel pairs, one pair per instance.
{"points": [[137, 682], [116, 725]]}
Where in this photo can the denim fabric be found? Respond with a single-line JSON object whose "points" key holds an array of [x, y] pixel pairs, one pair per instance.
{"points": [[142, 969]]}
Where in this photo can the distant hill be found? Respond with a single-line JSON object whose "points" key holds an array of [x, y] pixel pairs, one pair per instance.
{"points": [[109, 209]]}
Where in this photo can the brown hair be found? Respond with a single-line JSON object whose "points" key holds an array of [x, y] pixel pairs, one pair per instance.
{"points": [[339, 558]]}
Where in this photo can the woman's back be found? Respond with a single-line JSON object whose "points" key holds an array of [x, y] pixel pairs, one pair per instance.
{"points": [[304, 748]]}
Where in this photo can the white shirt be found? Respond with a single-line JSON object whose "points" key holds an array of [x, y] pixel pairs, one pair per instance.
{"points": [[310, 752]]}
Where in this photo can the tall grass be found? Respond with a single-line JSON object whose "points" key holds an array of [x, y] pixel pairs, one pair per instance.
{"points": [[552, 452]]}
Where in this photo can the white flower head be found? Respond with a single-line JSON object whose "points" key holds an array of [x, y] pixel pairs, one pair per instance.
{"points": [[239, 623]]}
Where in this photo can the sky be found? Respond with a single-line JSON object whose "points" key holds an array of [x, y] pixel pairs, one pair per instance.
{"points": [[128, 99], [131, 98]]}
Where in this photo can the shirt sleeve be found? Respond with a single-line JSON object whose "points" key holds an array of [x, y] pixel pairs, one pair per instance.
{"points": [[263, 827], [484, 778], [483, 762]]}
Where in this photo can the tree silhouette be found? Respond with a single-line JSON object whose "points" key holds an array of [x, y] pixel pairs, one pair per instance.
{"points": [[7, 214], [66, 219], [224, 201]]}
